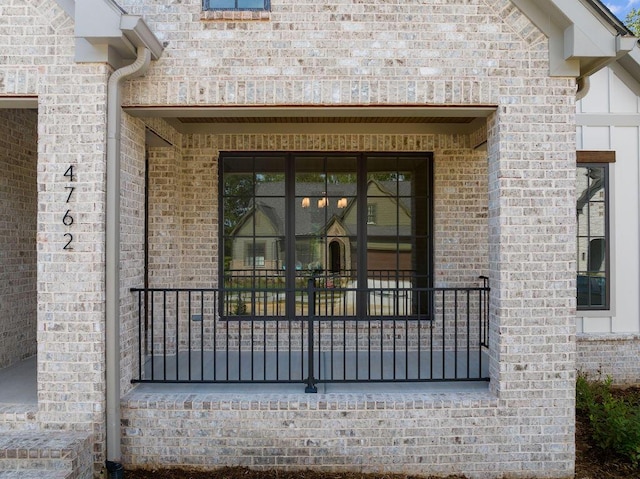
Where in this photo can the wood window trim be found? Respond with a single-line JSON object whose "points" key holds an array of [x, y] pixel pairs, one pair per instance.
{"points": [[595, 156]]}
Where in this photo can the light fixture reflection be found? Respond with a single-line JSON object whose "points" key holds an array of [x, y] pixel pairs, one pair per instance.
{"points": [[306, 202], [342, 203], [322, 202]]}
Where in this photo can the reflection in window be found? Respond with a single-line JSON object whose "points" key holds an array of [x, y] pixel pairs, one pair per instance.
{"points": [[371, 214], [357, 225], [255, 255], [593, 236]]}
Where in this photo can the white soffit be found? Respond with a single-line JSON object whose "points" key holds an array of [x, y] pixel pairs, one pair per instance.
{"points": [[314, 119]]}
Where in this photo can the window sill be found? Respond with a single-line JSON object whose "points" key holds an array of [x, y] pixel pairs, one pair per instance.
{"points": [[235, 16]]}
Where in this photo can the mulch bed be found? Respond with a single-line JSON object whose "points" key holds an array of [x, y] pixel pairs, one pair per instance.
{"points": [[244, 473], [591, 463]]}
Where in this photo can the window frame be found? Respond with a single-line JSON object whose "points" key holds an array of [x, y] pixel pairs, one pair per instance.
{"points": [[596, 159], [423, 279], [206, 6]]}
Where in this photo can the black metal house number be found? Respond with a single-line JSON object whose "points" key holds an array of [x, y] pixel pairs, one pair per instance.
{"points": [[67, 219]]}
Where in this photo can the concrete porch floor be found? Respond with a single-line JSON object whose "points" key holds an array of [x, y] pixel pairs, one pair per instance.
{"points": [[19, 383], [353, 370]]}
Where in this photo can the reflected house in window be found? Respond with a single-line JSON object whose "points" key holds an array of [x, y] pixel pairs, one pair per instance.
{"points": [[326, 235], [249, 249]]}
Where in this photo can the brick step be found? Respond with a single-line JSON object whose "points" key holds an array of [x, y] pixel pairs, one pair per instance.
{"points": [[18, 417], [35, 474], [50, 454]]}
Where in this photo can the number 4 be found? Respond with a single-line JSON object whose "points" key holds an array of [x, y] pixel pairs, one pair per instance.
{"points": [[69, 173]]}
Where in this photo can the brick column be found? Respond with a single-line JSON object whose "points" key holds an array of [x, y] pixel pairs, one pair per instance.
{"points": [[72, 131], [532, 269]]}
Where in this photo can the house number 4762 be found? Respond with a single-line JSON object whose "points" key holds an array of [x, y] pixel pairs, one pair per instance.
{"points": [[67, 219]]}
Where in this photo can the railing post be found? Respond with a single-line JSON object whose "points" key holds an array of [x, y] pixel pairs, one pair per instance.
{"points": [[311, 298]]}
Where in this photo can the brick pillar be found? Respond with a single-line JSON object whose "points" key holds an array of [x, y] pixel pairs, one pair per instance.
{"points": [[532, 269], [72, 133]]}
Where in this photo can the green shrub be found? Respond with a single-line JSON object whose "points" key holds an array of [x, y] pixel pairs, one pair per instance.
{"points": [[615, 422]]}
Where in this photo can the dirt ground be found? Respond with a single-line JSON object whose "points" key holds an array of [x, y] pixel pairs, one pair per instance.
{"points": [[591, 463]]}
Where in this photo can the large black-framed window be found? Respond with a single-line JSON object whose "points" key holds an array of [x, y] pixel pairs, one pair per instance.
{"points": [[236, 4], [593, 235], [288, 217]]}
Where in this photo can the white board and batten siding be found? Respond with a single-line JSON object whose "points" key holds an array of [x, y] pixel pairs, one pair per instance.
{"points": [[608, 118]]}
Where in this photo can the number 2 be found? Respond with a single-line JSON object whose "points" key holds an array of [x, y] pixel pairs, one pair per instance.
{"points": [[67, 246]]}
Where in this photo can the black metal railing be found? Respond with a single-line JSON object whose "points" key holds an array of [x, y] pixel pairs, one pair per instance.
{"points": [[313, 334]]}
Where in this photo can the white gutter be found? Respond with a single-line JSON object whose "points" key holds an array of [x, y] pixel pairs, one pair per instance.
{"points": [[112, 280]]}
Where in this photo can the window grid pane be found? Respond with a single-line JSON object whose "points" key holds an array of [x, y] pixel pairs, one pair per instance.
{"points": [[236, 4], [592, 237], [288, 218]]}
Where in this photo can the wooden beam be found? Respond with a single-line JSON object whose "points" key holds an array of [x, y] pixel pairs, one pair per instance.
{"points": [[595, 156]]}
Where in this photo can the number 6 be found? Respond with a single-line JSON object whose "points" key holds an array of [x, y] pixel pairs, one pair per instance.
{"points": [[67, 219]]}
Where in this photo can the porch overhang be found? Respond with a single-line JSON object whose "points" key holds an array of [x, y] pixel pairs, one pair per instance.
{"points": [[583, 35], [320, 119]]}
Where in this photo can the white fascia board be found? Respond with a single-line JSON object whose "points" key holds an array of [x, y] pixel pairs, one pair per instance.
{"points": [[105, 33], [580, 40], [69, 6], [631, 63]]}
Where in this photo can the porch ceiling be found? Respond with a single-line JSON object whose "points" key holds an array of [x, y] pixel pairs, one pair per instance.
{"points": [[367, 119]]}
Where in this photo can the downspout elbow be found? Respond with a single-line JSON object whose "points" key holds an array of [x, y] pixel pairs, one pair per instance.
{"points": [[583, 87], [112, 245]]}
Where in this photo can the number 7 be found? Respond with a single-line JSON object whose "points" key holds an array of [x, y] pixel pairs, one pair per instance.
{"points": [[71, 188]]}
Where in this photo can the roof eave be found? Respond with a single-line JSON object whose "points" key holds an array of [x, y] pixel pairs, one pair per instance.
{"points": [[583, 37], [106, 33]]}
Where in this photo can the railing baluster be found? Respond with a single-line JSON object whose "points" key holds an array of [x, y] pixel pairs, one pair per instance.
{"points": [[468, 338], [177, 341], [153, 337], [189, 333], [325, 324], [214, 326], [455, 333], [140, 338], [444, 338], [311, 387]]}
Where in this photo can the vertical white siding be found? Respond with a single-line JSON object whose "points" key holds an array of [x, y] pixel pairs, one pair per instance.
{"points": [[608, 119], [597, 99], [624, 191]]}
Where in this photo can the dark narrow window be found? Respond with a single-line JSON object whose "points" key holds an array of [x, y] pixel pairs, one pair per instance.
{"points": [[593, 240], [358, 225], [236, 4]]}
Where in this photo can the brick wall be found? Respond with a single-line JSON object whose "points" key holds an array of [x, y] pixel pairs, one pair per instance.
{"points": [[614, 355], [477, 52], [39, 41], [132, 186], [19, 197], [376, 53]]}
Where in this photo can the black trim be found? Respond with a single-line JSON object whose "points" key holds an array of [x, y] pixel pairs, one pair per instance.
{"points": [[206, 5], [425, 277]]}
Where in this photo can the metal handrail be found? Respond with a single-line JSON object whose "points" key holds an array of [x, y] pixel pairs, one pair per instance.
{"points": [[406, 334]]}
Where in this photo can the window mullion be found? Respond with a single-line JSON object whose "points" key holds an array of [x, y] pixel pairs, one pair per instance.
{"points": [[361, 237]]}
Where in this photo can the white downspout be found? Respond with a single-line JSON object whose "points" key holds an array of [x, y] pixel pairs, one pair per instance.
{"points": [[112, 239]]}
